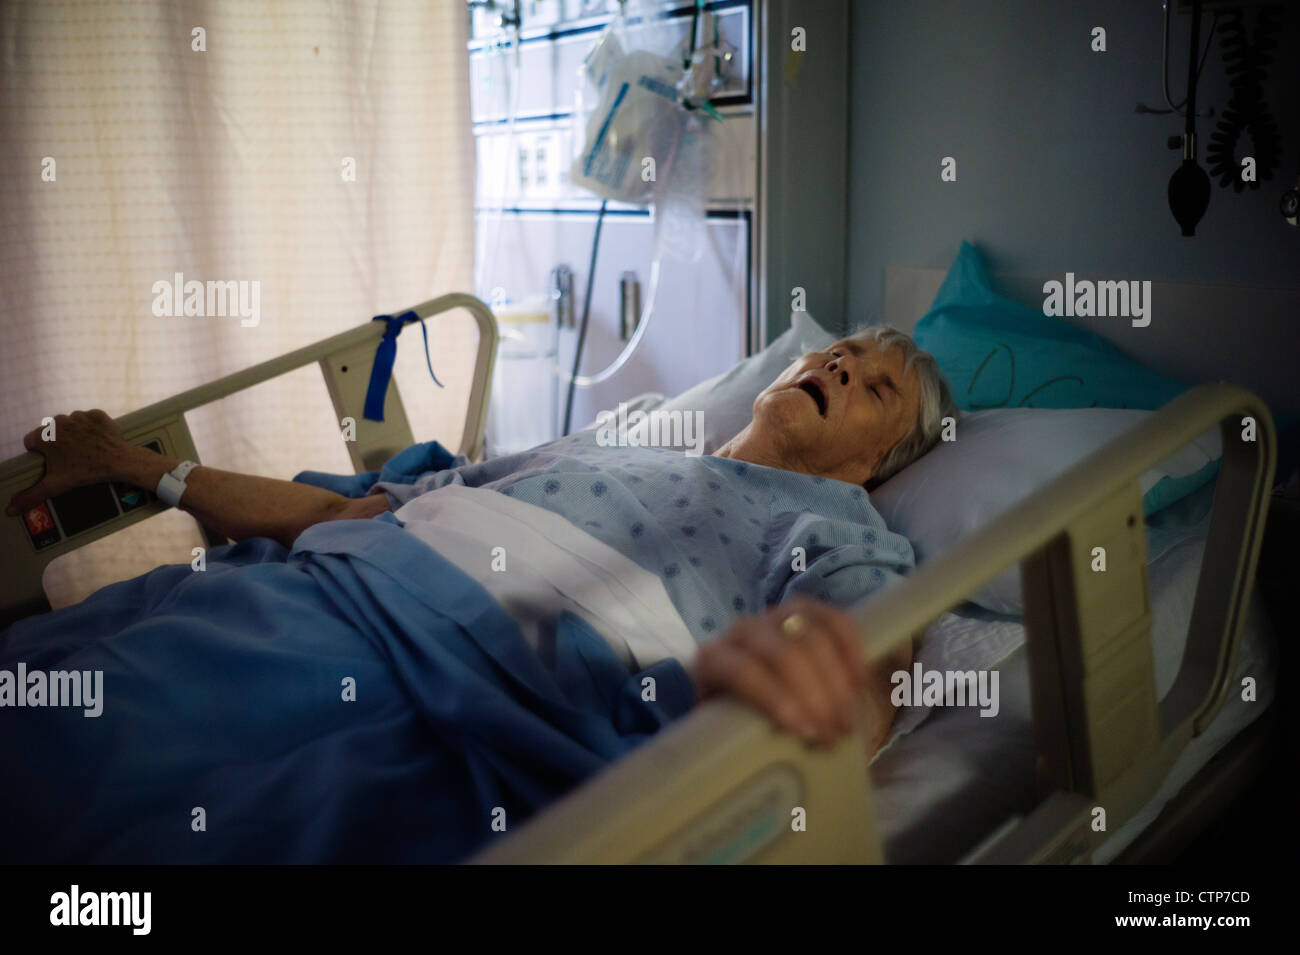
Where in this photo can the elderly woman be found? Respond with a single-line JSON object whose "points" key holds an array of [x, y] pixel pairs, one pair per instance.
{"points": [[726, 532], [779, 517]]}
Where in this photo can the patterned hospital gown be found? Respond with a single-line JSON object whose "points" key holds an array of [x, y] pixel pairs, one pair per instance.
{"points": [[722, 534]]}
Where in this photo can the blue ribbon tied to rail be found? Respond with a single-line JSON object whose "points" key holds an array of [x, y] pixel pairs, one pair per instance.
{"points": [[382, 369]]}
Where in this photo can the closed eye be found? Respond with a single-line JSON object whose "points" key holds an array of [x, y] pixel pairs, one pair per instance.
{"points": [[894, 392]]}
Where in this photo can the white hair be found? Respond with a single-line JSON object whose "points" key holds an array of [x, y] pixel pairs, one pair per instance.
{"points": [[936, 402]]}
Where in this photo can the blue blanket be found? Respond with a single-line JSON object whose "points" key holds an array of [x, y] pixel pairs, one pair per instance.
{"points": [[405, 467], [227, 691]]}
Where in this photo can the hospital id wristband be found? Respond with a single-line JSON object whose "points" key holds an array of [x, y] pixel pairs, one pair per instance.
{"points": [[172, 485]]}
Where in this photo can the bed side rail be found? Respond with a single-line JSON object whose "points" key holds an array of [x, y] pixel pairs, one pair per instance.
{"points": [[29, 542], [706, 788]]}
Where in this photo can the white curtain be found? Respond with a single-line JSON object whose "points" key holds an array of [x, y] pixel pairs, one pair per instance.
{"points": [[143, 139]]}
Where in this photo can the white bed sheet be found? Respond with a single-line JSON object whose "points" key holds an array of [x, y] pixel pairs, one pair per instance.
{"points": [[948, 778]]}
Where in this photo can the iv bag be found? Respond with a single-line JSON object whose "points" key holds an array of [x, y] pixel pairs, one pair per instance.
{"points": [[634, 132]]}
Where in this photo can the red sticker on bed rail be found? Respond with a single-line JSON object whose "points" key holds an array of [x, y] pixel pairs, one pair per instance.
{"points": [[40, 526]]}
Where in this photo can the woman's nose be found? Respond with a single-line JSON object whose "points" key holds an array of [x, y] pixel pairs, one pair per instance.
{"points": [[838, 365]]}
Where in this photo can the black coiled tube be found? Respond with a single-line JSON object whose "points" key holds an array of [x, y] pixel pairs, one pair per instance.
{"points": [[1246, 63]]}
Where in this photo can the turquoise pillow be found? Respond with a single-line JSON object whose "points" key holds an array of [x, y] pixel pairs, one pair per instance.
{"points": [[998, 354]]}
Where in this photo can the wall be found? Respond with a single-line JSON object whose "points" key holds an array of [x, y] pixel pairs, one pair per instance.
{"points": [[1055, 169]]}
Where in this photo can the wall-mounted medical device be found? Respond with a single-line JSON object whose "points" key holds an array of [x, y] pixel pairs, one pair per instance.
{"points": [[770, 215], [1244, 148], [1189, 186], [1290, 204], [596, 103]]}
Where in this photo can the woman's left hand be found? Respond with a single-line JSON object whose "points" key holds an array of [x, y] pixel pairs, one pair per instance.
{"points": [[801, 664]]}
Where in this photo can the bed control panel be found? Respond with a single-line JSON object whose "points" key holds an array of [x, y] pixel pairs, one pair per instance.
{"points": [[31, 540], [80, 509]]}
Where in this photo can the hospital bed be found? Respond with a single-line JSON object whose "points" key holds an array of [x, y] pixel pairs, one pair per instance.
{"points": [[720, 785]]}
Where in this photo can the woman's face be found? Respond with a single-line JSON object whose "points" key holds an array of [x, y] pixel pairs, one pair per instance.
{"points": [[838, 412]]}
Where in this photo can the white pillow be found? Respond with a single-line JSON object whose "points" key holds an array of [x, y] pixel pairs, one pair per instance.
{"points": [[998, 458], [727, 401]]}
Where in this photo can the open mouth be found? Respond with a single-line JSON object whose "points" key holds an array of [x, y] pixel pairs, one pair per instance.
{"points": [[814, 389]]}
